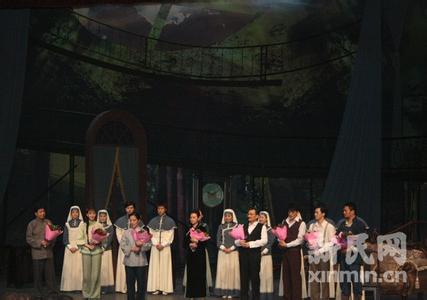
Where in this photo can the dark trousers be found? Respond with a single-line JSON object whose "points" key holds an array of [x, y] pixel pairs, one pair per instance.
{"points": [[292, 283], [250, 264], [352, 275], [44, 267], [138, 274], [319, 290]]}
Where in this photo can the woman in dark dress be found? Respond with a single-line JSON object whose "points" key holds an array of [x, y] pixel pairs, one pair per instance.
{"points": [[196, 261]]}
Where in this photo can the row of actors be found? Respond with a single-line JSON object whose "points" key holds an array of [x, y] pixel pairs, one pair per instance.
{"points": [[241, 263]]}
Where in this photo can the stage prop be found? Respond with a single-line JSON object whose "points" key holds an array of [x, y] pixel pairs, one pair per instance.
{"points": [[116, 163]]}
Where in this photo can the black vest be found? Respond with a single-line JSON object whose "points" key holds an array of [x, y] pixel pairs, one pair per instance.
{"points": [[255, 234], [293, 234]]}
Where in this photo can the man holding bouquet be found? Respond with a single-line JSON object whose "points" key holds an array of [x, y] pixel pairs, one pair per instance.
{"points": [[320, 254], [250, 255], [41, 251], [292, 255]]}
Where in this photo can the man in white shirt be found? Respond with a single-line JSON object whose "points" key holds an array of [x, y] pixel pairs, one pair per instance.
{"points": [[250, 255], [320, 253], [292, 262]]}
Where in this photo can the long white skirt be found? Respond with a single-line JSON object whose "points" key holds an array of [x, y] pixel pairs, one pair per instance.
{"points": [[72, 271], [227, 281], [266, 275], [120, 273], [160, 271], [107, 272]]}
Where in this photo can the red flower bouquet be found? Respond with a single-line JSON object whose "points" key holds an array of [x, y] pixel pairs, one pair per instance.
{"points": [[199, 235], [141, 235], [51, 232], [281, 232], [238, 233]]}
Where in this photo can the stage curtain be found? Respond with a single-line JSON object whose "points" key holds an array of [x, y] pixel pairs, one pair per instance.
{"points": [[355, 171], [13, 53]]}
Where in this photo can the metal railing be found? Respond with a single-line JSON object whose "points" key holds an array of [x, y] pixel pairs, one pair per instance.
{"points": [[78, 33]]}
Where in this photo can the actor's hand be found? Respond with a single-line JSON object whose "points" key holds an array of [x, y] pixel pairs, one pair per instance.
{"points": [[193, 245], [244, 244], [227, 250], [44, 243], [159, 247], [282, 244], [74, 250], [135, 249], [139, 243]]}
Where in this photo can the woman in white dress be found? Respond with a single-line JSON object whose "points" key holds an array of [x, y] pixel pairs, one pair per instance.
{"points": [[74, 239], [227, 283], [107, 271], [266, 271]]}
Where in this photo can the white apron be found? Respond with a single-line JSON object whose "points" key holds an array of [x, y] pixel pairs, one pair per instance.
{"points": [[266, 275], [107, 272], [72, 270], [228, 272]]}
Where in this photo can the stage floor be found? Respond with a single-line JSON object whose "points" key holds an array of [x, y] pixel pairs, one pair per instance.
{"points": [[180, 296]]}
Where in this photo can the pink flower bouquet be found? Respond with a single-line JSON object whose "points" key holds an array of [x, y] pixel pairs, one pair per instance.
{"points": [[51, 232], [98, 235], [238, 233], [141, 235], [311, 238], [281, 232], [199, 235], [346, 241]]}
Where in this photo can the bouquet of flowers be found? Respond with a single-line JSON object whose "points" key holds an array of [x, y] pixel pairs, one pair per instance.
{"points": [[280, 231], [345, 241], [141, 235], [99, 235], [199, 235], [51, 232], [238, 233], [311, 238]]}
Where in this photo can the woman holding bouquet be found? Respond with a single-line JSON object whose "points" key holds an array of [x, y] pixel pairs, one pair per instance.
{"points": [[196, 259], [227, 282], [74, 238], [107, 272], [135, 260], [92, 256], [266, 272]]}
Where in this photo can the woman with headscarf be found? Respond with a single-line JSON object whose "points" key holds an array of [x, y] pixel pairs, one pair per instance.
{"points": [[74, 239], [227, 283], [266, 272], [107, 271]]}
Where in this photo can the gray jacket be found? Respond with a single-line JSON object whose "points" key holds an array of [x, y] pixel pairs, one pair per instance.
{"points": [[34, 237], [133, 259]]}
